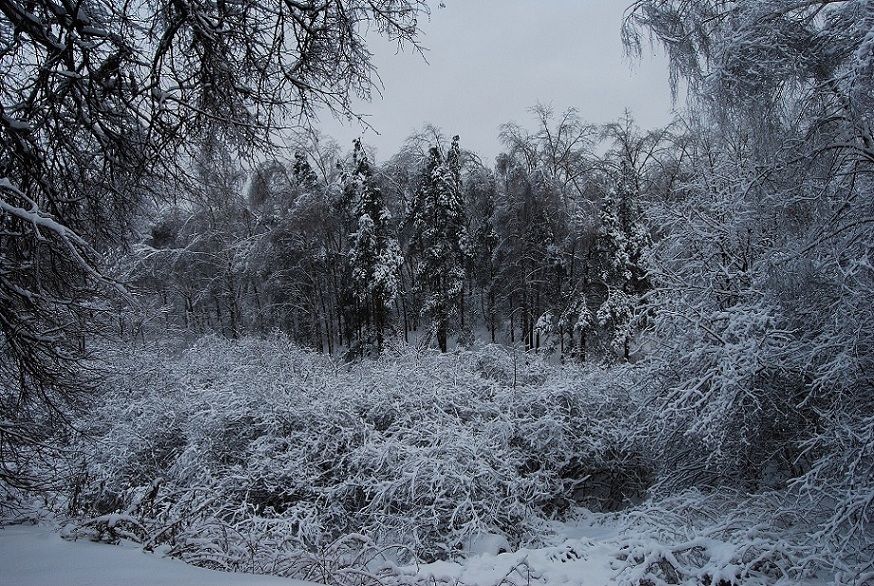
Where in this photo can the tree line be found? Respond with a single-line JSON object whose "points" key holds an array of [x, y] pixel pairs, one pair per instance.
{"points": [[544, 249]]}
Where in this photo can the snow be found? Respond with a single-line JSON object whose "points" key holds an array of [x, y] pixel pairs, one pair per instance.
{"points": [[577, 562], [37, 556], [34, 215]]}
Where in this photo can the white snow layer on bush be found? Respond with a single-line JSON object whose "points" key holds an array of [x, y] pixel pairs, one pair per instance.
{"points": [[256, 456]]}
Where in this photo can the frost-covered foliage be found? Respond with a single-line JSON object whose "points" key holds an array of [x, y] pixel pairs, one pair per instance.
{"points": [[759, 53], [761, 327], [839, 484], [259, 456]]}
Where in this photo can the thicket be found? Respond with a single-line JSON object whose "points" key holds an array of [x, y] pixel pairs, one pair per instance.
{"points": [[258, 456]]}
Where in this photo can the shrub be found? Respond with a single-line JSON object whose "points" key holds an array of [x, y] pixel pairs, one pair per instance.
{"points": [[250, 454]]}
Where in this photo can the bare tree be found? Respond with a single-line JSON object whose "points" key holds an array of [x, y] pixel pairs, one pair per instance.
{"points": [[763, 284], [100, 101]]}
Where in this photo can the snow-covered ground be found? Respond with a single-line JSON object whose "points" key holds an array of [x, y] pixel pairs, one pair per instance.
{"points": [[38, 556], [583, 558]]}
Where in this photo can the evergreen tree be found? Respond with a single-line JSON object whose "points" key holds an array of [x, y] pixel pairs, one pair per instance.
{"points": [[303, 172], [439, 220], [374, 255], [622, 241]]}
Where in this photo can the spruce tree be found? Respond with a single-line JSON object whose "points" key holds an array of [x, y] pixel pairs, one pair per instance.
{"points": [[439, 220], [623, 240], [374, 255]]}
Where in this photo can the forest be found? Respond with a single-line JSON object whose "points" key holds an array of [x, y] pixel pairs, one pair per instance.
{"points": [[303, 361]]}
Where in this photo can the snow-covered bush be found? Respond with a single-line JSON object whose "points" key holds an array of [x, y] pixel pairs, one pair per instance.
{"points": [[780, 537], [720, 539], [257, 455], [839, 488]]}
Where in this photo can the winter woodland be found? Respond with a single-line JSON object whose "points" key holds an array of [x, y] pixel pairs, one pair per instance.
{"points": [[305, 362]]}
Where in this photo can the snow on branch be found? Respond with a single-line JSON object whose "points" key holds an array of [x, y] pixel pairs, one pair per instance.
{"points": [[77, 246]]}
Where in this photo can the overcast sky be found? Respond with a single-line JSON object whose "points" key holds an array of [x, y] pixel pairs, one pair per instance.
{"points": [[490, 60]]}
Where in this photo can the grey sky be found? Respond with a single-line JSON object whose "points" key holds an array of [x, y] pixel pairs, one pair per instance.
{"points": [[490, 60]]}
